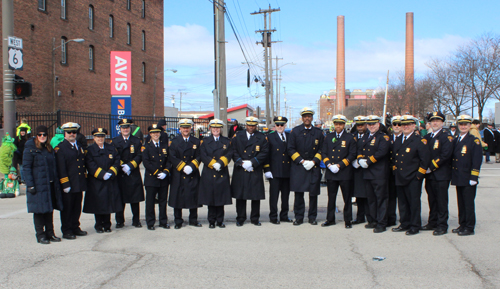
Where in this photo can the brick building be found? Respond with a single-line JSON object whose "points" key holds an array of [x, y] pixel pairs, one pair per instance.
{"points": [[356, 102], [82, 69]]}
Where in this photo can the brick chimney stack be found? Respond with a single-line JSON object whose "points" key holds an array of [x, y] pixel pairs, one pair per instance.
{"points": [[340, 85], [409, 54]]}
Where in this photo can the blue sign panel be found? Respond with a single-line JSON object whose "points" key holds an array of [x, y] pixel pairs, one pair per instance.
{"points": [[121, 107]]}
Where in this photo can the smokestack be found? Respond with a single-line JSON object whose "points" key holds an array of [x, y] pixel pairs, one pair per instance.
{"points": [[340, 98], [409, 54]]}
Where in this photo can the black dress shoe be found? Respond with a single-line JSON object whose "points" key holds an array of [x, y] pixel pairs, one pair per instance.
{"points": [[211, 226], [276, 222], [439, 232], [238, 224], [390, 224], [257, 223], [197, 224], [314, 223], [43, 241], [178, 226], [137, 225], [119, 226], [152, 228], [356, 222], [428, 228], [466, 232], [221, 225], [328, 224], [348, 225], [287, 220], [457, 230], [69, 236], [297, 222], [107, 230], [99, 231], [81, 233], [379, 229], [411, 232], [399, 229], [165, 226], [54, 239], [370, 225]]}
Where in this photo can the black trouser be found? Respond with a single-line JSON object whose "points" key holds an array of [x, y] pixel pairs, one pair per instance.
{"points": [[70, 215], [215, 213], [102, 221], [466, 207], [437, 196], [410, 205], [277, 185], [393, 200], [363, 210], [299, 207], [241, 211], [378, 197], [151, 193], [44, 225], [193, 216], [333, 188], [135, 208]]}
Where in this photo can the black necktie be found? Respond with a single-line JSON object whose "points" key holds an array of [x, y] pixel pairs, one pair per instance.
{"points": [[432, 135], [338, 135], [126, 141], [157, 145], [216, 139], [186, 140], [404, 139], [282, 137]]}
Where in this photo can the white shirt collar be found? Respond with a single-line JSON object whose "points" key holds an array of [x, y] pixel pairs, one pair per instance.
{"points": [[309, 127], [340, 134], [249, 135], [435, 133], [407, 136]]}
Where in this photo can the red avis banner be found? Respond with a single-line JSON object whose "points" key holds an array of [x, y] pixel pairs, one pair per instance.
{"points": [[121, 72]]}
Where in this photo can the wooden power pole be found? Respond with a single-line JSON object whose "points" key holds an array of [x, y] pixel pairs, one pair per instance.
{"points": [[220, 92]]}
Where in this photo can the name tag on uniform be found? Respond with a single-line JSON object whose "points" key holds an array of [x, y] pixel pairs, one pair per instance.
{"points": [[343, 144], [372, 143], [407, 150], [257, 148], [436, 145], [132, 149], [194, 147], [164, 151], [464, 149], [110, 156]]}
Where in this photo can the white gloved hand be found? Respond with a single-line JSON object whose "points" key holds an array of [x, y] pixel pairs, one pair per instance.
{"points": [[308, 165], [106, 176], [428, 171], [161, 175], [355, 164], [363, 163], [129, 172], [126, 169], [67, 190], [250, 169], [268, 175], [216, 166], [246, 165], [187, 170], [334, 168], [472, 183]]}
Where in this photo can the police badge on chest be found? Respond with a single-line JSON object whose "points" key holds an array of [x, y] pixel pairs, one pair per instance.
{"points": [[132, 150]]}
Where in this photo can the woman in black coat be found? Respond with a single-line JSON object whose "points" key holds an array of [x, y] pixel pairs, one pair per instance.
{"points": [[42, 183], [103, 195]]}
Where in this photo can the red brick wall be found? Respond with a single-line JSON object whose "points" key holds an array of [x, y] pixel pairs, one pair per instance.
{"points": [[91, 90]]}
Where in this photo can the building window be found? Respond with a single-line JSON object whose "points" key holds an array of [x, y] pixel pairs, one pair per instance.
{"points": [[129, 34], [64, 56], [111, 26], [91, 17], [63, 9], [143, 40], [143, 72], [91, 58], [143, 10], [41, 5], [128, 4]]}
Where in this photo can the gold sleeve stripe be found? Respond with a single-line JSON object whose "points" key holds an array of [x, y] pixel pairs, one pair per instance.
{"points": [[121, 162], [435, 164], [295, 156], [373, 159], [266, 166], [359, 156], [64, 180], [196, 163], [224, 160], [180, 166], [318, 156], [134, 163], [114, 170], [211, 164], [155, 172], [325, 160], [346, 162], [166, 170], [475, 173], [96, 175], [422, 170]]}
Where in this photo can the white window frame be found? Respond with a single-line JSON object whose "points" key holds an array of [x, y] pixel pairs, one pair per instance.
{"points": [[64, 50], [91, 17], [63, 10]]}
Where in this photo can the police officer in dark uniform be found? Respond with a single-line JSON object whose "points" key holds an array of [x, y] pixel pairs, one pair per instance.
{"points": [[373, 158], [466, 163], [437, 182], [339, 151], [393, 194], [162, 124], [70, 160], [129, 176], [184, 155], [304, 148], [410, 158], [103, 195], [250, 153], [215, 187], [155, 161], [277, 171], [359, 188]]}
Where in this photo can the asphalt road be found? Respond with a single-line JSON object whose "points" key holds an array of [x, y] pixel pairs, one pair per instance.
{"points": [[270, 256]]}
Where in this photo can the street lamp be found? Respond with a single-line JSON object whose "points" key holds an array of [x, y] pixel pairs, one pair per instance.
{"points": [[154, 88], [79, 40]]}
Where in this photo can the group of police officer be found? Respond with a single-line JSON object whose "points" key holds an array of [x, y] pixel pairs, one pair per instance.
{"points": [[376, 168]]}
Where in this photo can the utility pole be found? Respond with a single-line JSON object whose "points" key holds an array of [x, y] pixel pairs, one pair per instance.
{"points": [[266, 42], [220, 91], [180, 102], [9, 102], [277, 92]]}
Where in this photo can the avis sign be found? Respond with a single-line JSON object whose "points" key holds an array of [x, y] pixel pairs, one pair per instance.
{"points": [[121, 73]]}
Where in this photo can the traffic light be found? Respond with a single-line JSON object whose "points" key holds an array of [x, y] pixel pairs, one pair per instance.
{"points": [[22, 89]]}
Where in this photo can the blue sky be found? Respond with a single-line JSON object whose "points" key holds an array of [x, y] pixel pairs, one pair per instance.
{"points": [[374, 38]]}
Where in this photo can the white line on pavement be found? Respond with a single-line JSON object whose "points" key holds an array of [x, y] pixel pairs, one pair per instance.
{"points": [[5, 216]]}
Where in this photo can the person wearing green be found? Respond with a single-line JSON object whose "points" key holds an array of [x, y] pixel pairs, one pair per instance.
{"points": [[58, 138], [24, 123]]}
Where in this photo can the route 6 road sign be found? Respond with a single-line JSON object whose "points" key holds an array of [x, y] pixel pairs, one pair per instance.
{"points": [[15, 59]]}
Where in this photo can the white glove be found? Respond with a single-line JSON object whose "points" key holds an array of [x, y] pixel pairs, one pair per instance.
{"points": [[355, 164], [188, 170], [67, 190], [472, 183], [161, 175], [363, 163], [428, 171], [126, 169], [106, 176], [334, 168], [216, 166], [250, 169], [246, 165], [129, 172], [308, 165], [268, 175]]}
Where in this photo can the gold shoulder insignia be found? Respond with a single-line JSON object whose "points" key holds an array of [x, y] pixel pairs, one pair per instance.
{"points": [[169, 143], [143, 148], [56, 149], [201, 142], [450, 138], [424, 141], [476, 141], [386, 137]]}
